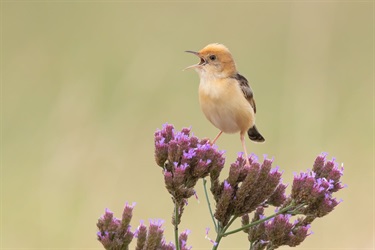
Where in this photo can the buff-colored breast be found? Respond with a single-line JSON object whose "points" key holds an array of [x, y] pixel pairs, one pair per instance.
{"points": [[224, 105]]}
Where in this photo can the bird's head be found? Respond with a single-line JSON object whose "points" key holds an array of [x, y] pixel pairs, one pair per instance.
{"points": [[215, 61]]}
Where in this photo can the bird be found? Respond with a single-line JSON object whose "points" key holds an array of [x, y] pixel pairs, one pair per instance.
{"points": [[225, 96]]}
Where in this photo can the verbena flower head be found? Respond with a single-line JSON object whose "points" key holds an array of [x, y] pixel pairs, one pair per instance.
{"points": [[185, 159], [152, 237], [141, 235], [247, 187], [276, 231], [115, 233], [255, 233], [311, 197], [314, 189], [329, 170], [183, 240], [280, 231]]}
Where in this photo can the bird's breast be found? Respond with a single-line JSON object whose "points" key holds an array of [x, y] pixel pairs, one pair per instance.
{"points": [[225, 106]]}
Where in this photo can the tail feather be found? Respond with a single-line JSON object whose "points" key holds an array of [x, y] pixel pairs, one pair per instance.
{"points": [[254, 134]]}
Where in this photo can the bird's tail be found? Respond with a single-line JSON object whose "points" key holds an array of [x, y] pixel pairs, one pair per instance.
{"points": [[254, 134]]}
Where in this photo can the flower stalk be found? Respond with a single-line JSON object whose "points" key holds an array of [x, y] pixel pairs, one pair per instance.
{"points": [[209, 205], [176, 222]]}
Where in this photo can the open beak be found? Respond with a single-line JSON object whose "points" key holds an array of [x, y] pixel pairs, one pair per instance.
{"points": [[201, 63]]}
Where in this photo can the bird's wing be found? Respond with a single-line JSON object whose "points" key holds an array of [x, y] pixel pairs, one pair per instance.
{"points": [[246, 89]]}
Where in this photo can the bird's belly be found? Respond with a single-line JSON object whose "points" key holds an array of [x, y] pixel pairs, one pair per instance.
{"points": [[222, 119], [227, 114]]}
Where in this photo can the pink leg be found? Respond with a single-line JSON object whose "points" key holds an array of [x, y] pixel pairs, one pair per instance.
{"points": [[217, 137], [242, 136]]}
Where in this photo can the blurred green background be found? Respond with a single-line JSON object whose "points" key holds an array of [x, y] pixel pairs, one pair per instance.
{"points": [[86, 84]]}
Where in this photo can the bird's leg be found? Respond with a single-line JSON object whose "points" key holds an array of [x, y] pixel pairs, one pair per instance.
{"points": [[217, 137], [242, 136]]}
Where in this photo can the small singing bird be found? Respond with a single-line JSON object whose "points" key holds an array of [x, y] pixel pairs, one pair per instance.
{"points": [[225, 96]]}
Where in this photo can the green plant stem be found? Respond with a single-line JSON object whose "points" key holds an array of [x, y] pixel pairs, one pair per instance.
{"points": [[217, 240], [258, 221], [251, 246], [176, 222], [209, 205], [221, 232], [229, 223]]}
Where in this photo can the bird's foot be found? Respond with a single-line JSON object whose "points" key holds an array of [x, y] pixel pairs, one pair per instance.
{"points": [[247, 162], [215, 139]]}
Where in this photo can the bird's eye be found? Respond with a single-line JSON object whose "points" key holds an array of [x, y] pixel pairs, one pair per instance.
{"points": [[212, 57]]}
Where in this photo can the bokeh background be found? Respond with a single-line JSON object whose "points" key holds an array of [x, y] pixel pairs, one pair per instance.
{"points": [[85, 85]]}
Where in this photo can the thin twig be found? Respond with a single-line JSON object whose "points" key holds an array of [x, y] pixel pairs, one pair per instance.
{"points": [[209, 205], [176, 222], [229, 223], [258, 221]]}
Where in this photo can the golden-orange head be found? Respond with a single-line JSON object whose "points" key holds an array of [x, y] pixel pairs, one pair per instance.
{"points": [[216, 61]]}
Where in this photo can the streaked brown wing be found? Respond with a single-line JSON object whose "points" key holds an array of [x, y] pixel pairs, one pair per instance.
{"points": [[246, 89]]}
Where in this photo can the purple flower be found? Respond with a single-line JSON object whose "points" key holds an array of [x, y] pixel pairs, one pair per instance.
{"points": [[259, 185], [279, 231], [168, 180], [302, 186], [141, 235], [278, 197], [155, 234], [202, 168], [245, 219], [189, 153], [165, 246], [179, 173], [114, 233], [314, 189], [329, 170], [183, 239], [311, 197], [127, 214], [256, 232], [226, 186], [152, 237], [234, 171], [298, 234], [185, 159], [208, 238], [223, 206], [326, 205]]}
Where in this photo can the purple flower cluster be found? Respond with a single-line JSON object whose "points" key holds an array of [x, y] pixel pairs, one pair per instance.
{"points": [[246, 188], [274, 232], [185, 159], [314, 189], [116, 234], [311, 197], [182, 240], [152, 238]]}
